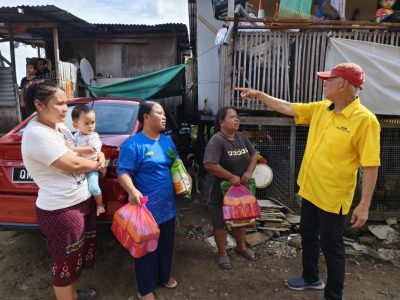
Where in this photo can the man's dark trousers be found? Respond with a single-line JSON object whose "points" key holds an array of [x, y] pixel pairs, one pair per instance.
{"points": [[323, 230]]}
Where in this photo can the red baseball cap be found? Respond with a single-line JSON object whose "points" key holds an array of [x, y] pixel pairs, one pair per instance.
{"points": [[348, 71]]}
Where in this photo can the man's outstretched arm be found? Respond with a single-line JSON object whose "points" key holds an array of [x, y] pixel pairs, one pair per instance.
{"points": [[276, 104]]}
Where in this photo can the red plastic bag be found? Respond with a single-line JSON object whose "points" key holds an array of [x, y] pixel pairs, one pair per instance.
{"points": [[240, 204], [135, 228]]}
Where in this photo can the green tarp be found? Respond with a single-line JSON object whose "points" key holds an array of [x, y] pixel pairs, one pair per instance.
{"points": [[295, 9], [160, 84]]}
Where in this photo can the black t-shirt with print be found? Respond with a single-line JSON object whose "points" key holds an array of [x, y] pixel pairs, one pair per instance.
{"points": [[233, 156]]}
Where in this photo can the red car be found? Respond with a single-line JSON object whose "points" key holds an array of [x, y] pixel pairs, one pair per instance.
{"points": [[116, 120]]}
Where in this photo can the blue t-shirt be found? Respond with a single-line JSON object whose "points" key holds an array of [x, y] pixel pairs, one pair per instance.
{"points": [[148, 164]]}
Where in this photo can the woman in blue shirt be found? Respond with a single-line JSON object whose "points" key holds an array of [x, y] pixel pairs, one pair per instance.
{"points": [[144, 170]]}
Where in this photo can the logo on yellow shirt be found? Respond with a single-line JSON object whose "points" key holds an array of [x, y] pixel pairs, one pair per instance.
{"points": [[342, 128]]}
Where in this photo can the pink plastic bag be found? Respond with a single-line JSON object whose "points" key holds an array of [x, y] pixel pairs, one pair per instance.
{"points": [[135, 228], [240, 204]]}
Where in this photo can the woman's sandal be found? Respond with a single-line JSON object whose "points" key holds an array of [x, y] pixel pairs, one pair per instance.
{"points": [[140, 296], [248, 254], [86, 294], [172, 283], [224, 262]]}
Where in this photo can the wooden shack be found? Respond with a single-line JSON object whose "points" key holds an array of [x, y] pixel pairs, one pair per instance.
{"points": [[114, 50]]}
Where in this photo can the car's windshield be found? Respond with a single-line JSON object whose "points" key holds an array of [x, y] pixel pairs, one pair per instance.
{"points": [[111, 118]]}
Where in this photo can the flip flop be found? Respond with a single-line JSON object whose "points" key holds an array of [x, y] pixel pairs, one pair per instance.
{"points": [[224, 262], [172, 283], [86, 294], [248, 254]]}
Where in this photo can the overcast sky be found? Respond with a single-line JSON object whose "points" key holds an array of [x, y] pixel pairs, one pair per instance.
{"points": [[105, 11]]}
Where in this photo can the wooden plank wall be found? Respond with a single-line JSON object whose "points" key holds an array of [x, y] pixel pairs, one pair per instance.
{"points": [[137, 56], [282, 64]]}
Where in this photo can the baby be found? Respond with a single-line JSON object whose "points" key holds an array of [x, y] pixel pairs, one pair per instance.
{"points": [[385, 11], [88, 145]]}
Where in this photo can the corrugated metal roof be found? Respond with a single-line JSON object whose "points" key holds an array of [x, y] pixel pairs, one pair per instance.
{"points": [[71, 26], [44, 14], [8, 95], [67, 24], [142, 26], [178, 28]]}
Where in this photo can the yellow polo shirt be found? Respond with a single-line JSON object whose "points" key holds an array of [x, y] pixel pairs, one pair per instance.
{"points": [[337, 145]]}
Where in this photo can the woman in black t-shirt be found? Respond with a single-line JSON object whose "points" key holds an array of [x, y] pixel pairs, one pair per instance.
{"points": [[230, 156]]}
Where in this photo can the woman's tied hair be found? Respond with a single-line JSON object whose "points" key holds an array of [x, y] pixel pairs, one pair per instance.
{"points": [[41, 90], [220, 116], [145, 109]]}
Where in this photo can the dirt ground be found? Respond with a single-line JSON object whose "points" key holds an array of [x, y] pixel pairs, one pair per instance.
{"points": [[25, 265]]}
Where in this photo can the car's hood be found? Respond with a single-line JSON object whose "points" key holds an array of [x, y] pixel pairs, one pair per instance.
{"points": [[11, 139], [109, 140], [113, 140]]}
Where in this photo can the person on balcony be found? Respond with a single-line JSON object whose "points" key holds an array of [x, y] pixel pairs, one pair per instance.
{"points": [[43, 66], [385, 10], [30, 75], [343, 136], [335, 7]]}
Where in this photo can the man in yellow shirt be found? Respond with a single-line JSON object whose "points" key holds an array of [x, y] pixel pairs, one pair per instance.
{"points": [[343, 136]]}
